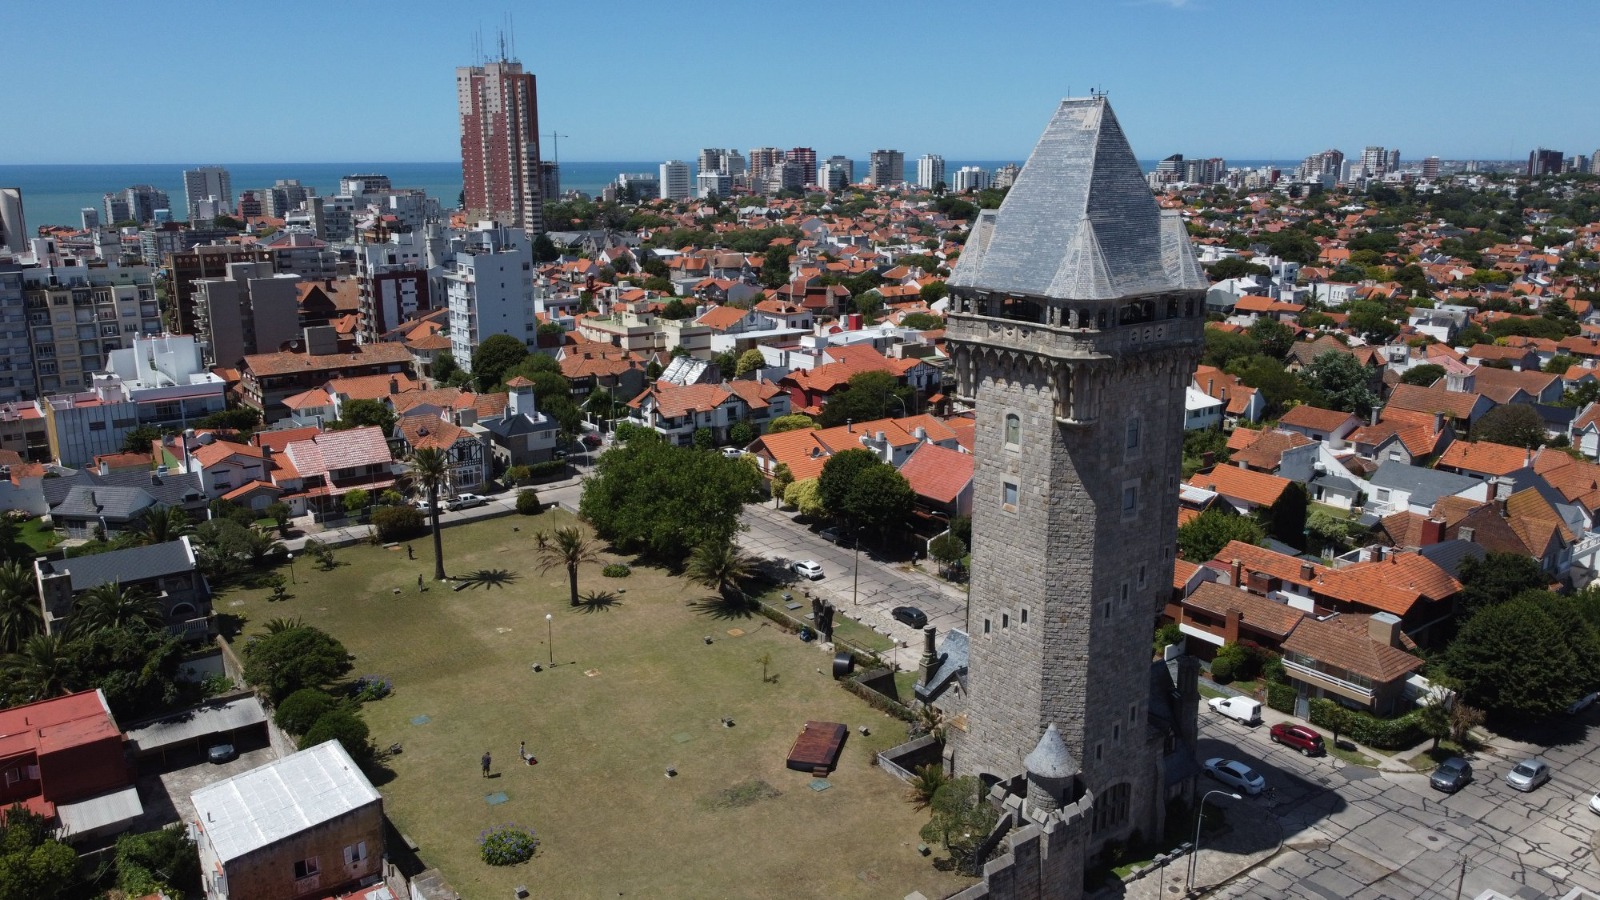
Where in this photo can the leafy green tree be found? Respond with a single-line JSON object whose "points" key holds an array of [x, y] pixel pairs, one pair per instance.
{"points": [[705, 439], [1498, 577], [720, 566], [921, 321], [880, 499], [280, 513], [356, 501], [962, 820], [365, 413], [1235, 267], [1528, 657], [839, 473], [139, 439], [164, 861], [867, 396], [1433, 717], [40, 668], [494, 357], [1423, 375], [775, 267], [33, 866], [869, 304], [1274, 337], [947, 549], [238, 418], [1514, 424], [108, 606], [445, 371], [431, 470], [805, 497], [301, 709], [1342, 380], [740, 434], [1373, 320], [1223, 347], [782, 477], [1286, 519], [346, 727], [791, 422], [569, 549], [749, 361], [1277, 385], [298, 658], [933, 292], [1204, 536], [649, 496], [1560, 363], [544, 250], [398, 523]]}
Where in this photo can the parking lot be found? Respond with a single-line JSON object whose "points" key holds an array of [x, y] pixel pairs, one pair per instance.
{"points": [[1352, 832]]}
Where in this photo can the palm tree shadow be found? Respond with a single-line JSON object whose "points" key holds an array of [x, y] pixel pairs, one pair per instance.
{"points": [[489, 578], [720, 607], [595, 602]]}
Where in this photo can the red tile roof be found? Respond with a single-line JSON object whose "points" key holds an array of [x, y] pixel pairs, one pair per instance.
{"points": [[1349, 648], [1264, 615], [938, 474], [1315, 418], [1484, 457], [1254, 488]]}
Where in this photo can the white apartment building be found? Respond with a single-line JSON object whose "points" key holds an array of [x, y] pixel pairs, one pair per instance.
{"points": [[489, 289], [76, 314], [207, 183], [708, 183], [971, 178], [832, 177], [930, 171], [250, 310], [674, 180]]}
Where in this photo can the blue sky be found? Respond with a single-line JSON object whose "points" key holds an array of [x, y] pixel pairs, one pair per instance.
{"points": [[147, 82]]}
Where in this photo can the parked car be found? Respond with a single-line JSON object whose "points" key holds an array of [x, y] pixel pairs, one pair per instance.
{"points": [[1583, 703], [425, 507], [1452, 775], [592, 440], [1236, 775], [1528, 774], [732, 452], [1594, 803], [1244, 709], [221, 753], [808, 569], [910, 615], [1299, 737], [835, 536], [468, 501]]}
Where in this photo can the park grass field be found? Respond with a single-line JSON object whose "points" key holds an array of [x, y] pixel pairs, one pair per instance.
{"points": [[635, 689]]}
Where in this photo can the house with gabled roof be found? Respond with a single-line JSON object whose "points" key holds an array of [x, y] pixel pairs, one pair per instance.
{"points": [[940, 478], [168, 572], [1484, 459], [317, 472], [1319, 424]]}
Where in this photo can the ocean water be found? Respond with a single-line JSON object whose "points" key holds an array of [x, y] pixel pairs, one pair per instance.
{"points": [[53, 195]]}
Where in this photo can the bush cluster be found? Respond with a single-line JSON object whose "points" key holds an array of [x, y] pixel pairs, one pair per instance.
{"points": [[528, 502], [1364, 728], [616, 570], [547, 470], [507, 845], [1280, 697], [397, 523]]}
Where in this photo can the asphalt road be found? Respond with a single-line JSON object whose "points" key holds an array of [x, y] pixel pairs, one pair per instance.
{"points": [[1352, 833]]}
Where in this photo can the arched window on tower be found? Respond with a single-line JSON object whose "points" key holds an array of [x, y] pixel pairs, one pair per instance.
{"points": [[1013, 429]]}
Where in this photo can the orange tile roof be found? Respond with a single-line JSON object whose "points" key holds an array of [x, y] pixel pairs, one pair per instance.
{"points": [[1350, 649], [1394, 585], [1268, 562], [1254, 488], [284, 362], [1456, 404], [1484, 456], [208, 455], [279, 438], [1182, 571], [936, 473], [721, 318], [371, 387], [1268, 616], [675, 400], [1315, 418], [1265, 453]]}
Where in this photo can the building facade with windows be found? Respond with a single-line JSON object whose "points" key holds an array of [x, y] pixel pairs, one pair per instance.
{"points": [[499, 109], [489, 289], [886, 168]]}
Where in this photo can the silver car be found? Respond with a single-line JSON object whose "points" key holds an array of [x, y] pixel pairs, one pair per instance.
{"points": [[1528, 774]]}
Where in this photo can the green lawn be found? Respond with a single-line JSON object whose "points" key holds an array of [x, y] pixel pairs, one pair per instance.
{"points": [[843, 626], [635, 689], [39, 537]]}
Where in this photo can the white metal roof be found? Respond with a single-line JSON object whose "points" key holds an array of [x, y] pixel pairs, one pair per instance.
{"points": [[267, 804]]}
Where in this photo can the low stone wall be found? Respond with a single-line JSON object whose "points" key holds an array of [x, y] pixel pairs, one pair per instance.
{"points": [[895, 759]]}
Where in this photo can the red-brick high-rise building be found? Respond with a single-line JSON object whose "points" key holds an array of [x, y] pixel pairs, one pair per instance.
{"points": [[499, 106]]}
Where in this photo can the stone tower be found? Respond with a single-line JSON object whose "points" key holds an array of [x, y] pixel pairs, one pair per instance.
{"points": [[1074, 326]]}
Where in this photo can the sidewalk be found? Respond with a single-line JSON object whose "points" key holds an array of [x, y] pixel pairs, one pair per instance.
{"points": [[1392, 762], [1249, 841]]}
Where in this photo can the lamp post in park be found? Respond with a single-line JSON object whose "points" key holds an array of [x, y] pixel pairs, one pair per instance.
{"points": [[549, 633], [1194, 855]]}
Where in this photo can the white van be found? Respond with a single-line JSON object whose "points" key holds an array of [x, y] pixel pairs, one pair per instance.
{"points": [[1244, 709]]}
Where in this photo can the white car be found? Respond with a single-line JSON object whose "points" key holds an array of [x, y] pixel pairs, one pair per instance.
{"points": [[1242, 709], [808, 569], [1594, 803], [1236, 774], [425, 507], [467, 501]]}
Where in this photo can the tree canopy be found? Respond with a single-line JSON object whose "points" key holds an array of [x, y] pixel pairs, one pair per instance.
{"points": [[295, 658], [1204, 536], [867, 396], [364, 413], [1341, 379], [1423, 375], [1498, 577], [1514, 424], [494, 357], [1530, 656]]}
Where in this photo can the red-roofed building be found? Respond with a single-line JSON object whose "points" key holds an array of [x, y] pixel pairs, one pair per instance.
{"points": [[329, 465], [677, 411], [57, 753], [941, 478]]}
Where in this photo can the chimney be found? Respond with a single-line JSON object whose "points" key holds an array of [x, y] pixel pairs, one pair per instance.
{"points": [[930, 657], [1466, 533], [1438, 422], [1432, 531], [1376, 412], [105, 468], [394, 385], [1211, 385], [850, 426], [1230, 625], [1307, 571], [1384, 628], [1377, 552], [1238, 573]]}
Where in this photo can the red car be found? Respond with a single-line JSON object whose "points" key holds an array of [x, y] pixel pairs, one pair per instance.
{"points": [[1299, 737]]}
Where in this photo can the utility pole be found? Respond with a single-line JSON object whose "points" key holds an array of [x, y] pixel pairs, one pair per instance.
{"points": [[555, 144]]}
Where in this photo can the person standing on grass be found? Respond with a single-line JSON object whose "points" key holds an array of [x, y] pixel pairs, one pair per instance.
{"points": [[486, 762]]}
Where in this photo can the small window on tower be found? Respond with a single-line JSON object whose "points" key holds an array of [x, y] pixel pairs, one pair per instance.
{"points": [[1008, 495], [985, 626], [1024, 615], [1130, 500], [1107, 610], [1141, 575], [1013, 429], [1005, 620], [1133, 434], [1116, 732]]}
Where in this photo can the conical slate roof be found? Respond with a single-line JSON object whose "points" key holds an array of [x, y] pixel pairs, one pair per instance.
{"points": [[1080, 222], [1051, 759]]}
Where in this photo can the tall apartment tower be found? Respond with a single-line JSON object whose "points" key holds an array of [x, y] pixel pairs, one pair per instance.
{"points": [[206, 183], [1075, 322], [1394, 161], [886, 167], [1375, 160], [499, 106], [1430, 167], [13, 225], [711, 159], [930, 171], [846, 164], [675, 183], [763, 160], [807, 158], [1544, 162]]}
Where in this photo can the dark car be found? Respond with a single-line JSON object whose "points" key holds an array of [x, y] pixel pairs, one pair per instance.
{"points": [[910, 615], [1452, 775], [221, 753], [1299, 737]]}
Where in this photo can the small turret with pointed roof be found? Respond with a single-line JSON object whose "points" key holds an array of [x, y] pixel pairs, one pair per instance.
{"points": [[520, 402], [1051, 772]]}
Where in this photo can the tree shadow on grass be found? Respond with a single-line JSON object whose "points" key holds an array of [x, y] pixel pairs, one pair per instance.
{"points": [[596, 601], [719, 607], [488, 578]]}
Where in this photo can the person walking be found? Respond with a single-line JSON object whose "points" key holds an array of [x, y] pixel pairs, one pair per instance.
{"points": [[419, 582], [486, 762], [410, 554]]}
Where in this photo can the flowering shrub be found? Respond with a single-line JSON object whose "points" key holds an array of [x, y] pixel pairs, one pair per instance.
{"points": [[507, 845], [615, 570]]}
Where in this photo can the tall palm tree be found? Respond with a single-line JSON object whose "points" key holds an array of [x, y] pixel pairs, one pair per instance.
{"points": [[40, 669], [568, 547], [108, 606], [20, 615], [720, 565], [431, 468], [159, 525]]}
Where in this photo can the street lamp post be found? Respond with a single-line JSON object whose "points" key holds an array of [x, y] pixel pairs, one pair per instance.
{"points": [[1194, 854], [855, 577], [549, 637], [291, 567]]}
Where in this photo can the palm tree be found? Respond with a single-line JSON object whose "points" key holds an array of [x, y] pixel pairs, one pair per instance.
{"points": [[431, 469], [107, 606], [569, 548], [159, 525], [39, 670], [20, 616], [719, 565]]}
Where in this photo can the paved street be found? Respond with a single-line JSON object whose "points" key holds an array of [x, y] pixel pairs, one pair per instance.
{"points": [[883, 586], [1352, 833]]}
